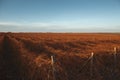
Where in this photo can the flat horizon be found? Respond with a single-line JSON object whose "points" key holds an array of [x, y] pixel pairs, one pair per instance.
{"points": [[60, 16]]}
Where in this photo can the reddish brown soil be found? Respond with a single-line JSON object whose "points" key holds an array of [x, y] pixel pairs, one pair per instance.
{"points": [[27, 56]]}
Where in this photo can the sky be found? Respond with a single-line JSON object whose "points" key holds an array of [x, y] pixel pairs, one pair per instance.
{"points": [[59, 15]]}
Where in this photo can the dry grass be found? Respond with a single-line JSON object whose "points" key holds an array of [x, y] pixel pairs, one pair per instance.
{"points": [[29, 56]]}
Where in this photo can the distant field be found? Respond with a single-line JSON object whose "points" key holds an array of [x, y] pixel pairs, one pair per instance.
{"points": [[76, 56]]}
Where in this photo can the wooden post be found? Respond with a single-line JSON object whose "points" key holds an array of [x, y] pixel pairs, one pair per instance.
{"points": [[53, 68], [91, 65], [115, 50], [92, 54], [114, 63], [115, 57]]}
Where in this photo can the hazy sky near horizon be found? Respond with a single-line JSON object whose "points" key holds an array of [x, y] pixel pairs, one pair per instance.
{"points": [[60, 15]]}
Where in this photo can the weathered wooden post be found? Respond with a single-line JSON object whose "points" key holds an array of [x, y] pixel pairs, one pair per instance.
{"points": [[114, 63], [53, 68], [115, 50], [91, 65], [115, 57]]}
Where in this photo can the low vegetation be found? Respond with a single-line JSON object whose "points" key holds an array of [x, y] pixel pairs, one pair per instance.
{"points": [[27, 56]]}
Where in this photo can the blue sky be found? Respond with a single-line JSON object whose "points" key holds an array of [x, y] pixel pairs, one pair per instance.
{"points": [[60, 15]]}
